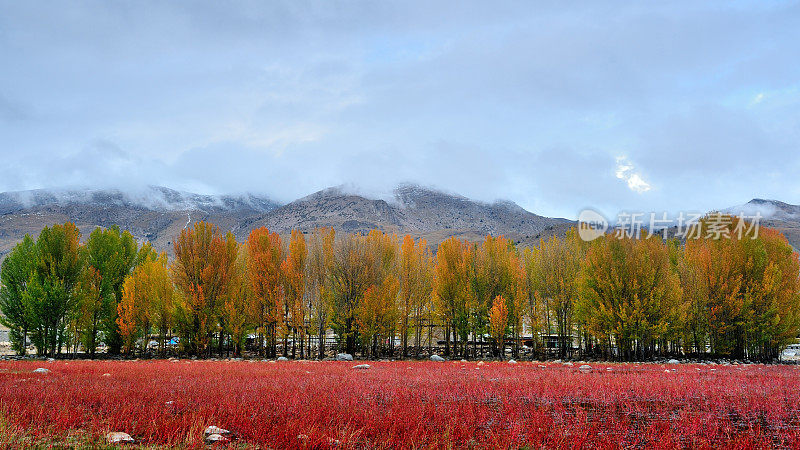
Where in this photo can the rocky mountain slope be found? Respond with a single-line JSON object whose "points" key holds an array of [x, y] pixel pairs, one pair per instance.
{"points": [[775, 214], [158, 214], [414, 210]]}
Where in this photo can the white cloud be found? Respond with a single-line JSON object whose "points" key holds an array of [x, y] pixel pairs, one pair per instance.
{"points": [[627, 172]]}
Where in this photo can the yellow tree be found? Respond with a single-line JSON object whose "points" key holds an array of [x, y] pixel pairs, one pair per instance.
{"points": [[498, 323], [384, 256], [237, 306], [320, 262], [631, 293], [376, 314], [452, 289], [750, 285], [265, 255], [294, 279], [148, 299], [416, 287], [553, 268], [202, 269]]}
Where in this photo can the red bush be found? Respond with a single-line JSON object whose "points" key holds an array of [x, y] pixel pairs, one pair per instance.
{"points": [[407, 404]]}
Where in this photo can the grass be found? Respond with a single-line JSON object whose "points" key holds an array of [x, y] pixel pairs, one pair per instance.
{"points": [[305, 404]]}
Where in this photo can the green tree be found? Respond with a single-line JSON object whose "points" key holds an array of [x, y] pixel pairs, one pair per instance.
{"points": [[52, 292], [17, 270], [110, 256]]}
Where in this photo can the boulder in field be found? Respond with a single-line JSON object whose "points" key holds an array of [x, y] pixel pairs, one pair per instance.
{"points": [[673, 361], [283, 358], [118, 437], [344, 357], [361, 366], [511, 361], [585, 368], [213, 429], [41, 370], [437, 358], [211, 438]]}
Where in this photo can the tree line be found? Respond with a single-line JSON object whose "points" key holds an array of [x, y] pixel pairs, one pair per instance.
{"points": [[379, 295]]}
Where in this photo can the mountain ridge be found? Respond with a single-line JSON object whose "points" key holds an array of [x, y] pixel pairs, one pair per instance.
{"points": [[157, 214]]}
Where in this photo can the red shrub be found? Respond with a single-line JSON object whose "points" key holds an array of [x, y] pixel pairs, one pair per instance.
{"points": [[407, 404]]}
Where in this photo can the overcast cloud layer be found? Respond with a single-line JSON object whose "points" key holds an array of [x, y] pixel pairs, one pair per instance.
{"points": [[657, 106]]}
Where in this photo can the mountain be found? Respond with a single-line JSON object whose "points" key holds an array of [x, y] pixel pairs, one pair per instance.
{"points": [[774, 214], [157, 214], [411, 209]]}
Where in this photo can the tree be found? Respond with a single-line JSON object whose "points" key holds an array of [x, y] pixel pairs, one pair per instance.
{"points": [[148, 300], [452, 288], [320, 262], [265, 255], [109, 255], [17, 270], [750, 288], [237, 307], [294, 278], [498, 324], [51, 292], [376, 314], [553, 270], [630, 295], [350, 279], [202, 269], [416, 286]]}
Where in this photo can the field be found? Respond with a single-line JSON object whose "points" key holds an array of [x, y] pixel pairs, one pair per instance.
{"points": [[304, 404]]}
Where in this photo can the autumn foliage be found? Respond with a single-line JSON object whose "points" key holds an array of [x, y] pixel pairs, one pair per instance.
{"points": [[727, 293]]}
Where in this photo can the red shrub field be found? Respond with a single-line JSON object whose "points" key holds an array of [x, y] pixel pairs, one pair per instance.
{"points": [[304, 404]]}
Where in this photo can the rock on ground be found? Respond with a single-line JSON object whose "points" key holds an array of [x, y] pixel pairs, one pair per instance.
{"points": [[213, 429], [216, 438], [437, 358], [673, 361], [283, 358], [511, 361], [344, 357], [118, 437], [41, 370], [585, 368], [361, 366]]}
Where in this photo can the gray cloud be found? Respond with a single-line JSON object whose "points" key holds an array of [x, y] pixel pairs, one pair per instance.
{"points": [[534, 102]]}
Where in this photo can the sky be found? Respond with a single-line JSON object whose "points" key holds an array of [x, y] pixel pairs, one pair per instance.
{"points": [[557, 106]]}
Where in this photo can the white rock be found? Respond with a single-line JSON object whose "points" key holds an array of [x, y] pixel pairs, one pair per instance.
{"points": [[361, 366], [106, 374], [213, 429], [480, 363], [511, 361], [41, 370], [216, 438], [118, 437], [344, 357], [568, 364], [283, 358], [673, 361], [437, 358], [585, 368]]}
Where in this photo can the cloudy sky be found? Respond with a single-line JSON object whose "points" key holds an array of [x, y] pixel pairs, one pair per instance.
{"points": [[657, 106]]}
